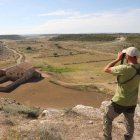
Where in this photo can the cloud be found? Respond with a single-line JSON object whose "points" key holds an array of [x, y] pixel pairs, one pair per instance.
{"points": [[109, 21], [103, 22], [60, 13]]}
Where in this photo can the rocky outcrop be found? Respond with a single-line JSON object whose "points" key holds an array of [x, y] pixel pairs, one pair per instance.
{"points": [[81, 123]]}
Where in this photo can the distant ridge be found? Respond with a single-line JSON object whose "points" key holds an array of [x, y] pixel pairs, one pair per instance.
{"points": [[11, 37], [84, 37]]}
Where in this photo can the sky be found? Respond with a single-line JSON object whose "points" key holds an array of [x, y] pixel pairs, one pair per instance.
{"points": [[69, 16]]}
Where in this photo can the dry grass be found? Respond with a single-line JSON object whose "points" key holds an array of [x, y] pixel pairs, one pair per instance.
{"points": [[66, 124], [62, 125]]}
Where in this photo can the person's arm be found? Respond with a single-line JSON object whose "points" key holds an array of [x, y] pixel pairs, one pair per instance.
{"points": [[112, 64]]}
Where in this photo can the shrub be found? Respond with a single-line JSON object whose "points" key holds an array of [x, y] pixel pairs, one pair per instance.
{"points": [[28, 48], [9, 122], [31, 112], [35, 134], [45, 135], [70, 111], [91, 53], [56, 44], [55, 54], [59, 47]]}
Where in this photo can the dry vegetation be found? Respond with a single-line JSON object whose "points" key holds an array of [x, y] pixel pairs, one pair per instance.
{"points": [[7, 57], [70, 61], [19, 122], [74, 64], [77, 62]]}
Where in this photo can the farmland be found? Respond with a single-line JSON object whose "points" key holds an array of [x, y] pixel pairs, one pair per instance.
{"points": [[71, 63]]}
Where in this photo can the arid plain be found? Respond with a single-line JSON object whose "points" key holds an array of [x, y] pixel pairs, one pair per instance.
{"points": [[72, 71]]}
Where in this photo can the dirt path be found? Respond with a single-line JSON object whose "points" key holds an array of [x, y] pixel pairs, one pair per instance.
{"points": [[20, 56]]}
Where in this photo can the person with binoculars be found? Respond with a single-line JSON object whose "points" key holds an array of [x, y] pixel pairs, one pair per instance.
{"points": [[126, 96]]}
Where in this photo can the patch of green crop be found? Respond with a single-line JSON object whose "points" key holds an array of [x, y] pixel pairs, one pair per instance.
{"points": [[57, 70]]}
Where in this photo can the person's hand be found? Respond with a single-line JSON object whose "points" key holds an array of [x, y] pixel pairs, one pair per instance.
{"points": [[120, 54]]}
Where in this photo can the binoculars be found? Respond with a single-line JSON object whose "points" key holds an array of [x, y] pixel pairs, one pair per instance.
{"points": [[122, 58]]}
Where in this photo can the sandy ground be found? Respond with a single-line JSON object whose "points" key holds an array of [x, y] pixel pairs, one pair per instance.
{"points": [[42, 93]]}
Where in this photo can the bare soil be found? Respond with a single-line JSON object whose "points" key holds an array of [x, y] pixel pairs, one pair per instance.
{"points": [[44, 94]]}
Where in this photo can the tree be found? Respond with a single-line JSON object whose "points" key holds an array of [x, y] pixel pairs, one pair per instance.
{"points": [[55, 54], [28, 48]]}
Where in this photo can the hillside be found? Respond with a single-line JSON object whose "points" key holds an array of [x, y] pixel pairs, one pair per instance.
{"points": [[84, 37], [134, 39], [79, 123], [11, 37], [6, 55]]}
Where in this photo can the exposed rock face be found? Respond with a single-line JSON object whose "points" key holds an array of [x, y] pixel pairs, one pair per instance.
{"points": [[87, 110], [49, 112]]}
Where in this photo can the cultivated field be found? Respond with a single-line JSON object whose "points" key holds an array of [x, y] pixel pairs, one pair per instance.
{"points": [[73, 64]]}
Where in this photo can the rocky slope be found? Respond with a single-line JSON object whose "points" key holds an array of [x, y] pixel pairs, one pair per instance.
{"points": [[78, 123]]}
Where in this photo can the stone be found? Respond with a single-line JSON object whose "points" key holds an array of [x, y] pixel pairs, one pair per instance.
{"points": [[90, 122], [102, 89]]}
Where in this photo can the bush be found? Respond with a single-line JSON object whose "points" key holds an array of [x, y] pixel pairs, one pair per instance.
{"points": [[31, 112], [39, 133], [45, 135], [55, 54], [91, 53], [9, 122], [28, 48], [56, 44], [70, 111], [59, 47]]}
